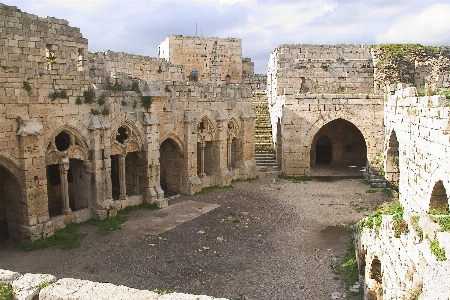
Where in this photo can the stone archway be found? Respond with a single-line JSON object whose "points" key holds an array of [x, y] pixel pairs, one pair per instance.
{"points": [[339, 144], [439, 199], [392, 160], [68, 180], [170, 161], [11, 212]]}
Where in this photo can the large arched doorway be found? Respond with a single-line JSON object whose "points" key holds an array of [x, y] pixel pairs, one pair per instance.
{"points": [[170, 167], [339, 144], [439, 199], [392, 160], [10, 210]]}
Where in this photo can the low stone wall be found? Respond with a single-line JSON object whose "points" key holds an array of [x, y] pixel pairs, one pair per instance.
{"points": [[403, 267], [48, 287]]}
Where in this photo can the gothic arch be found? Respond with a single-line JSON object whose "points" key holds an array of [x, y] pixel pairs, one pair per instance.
{"points": [[438, 198], [69, 122], [77, 149], [232, 128], [392, 168], [205, 129], [125, 138], [178, 141]]}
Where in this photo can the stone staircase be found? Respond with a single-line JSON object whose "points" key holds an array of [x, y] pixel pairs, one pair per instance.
{"points": [[264, 150]]}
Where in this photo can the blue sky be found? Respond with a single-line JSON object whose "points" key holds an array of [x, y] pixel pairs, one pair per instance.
{"points": [[138, 26]]}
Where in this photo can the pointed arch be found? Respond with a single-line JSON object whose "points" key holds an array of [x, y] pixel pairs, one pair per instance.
{"points": [[125, 138], [77, 147], [205, 129], [178, 141], [439, 198], [392, 170]]}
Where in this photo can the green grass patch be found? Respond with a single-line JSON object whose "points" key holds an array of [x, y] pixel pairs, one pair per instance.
{"points": [[251, 179], [347, 269], [444, 222], [43, 285], [70, 237], [210, 189], [162, 292], [295, 179], [389, 208], [437, 250], [66, 238], [6, 292]]}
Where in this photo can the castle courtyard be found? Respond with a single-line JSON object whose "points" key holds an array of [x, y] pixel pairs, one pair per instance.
{"points": [[267, 239]]}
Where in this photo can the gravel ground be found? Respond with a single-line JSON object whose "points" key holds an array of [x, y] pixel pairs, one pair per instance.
{"points": [[269, 239]]}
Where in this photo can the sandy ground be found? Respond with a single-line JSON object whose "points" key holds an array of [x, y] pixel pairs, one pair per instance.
{"points": [[267, 239]]}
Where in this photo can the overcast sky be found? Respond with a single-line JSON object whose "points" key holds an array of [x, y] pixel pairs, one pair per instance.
{"points": [[138, 26]]}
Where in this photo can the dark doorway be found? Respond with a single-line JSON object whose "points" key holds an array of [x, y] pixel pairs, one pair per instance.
{"points": [[323, 150]]}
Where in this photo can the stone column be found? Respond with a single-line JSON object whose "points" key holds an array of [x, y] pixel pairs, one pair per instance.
{"points": [[202, 160], [229, 141], [63, 168], [122, 180]]}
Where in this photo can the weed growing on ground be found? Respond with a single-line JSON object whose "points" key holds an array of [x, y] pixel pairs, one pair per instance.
{"points": [[6, 292], [209, 189], [67, 238], [70, 237], [295, 179], [437, 250], [444, 222], [42, 285], [347, 269], [250, 179], [371, 191], [162, 292]]}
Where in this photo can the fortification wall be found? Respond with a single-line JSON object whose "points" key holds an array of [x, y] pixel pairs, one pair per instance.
{"points": [[398, 257], [213, 58], [298, 118], [319, 69]]}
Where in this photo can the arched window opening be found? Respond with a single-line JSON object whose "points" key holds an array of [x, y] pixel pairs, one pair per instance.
{"points": [[392, 160], [122, 135], [62, 141], [439, 199]]}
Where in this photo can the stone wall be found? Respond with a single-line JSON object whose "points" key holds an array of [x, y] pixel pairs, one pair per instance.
{"points": [[298, 118], [319, 69], [46, 286], [416, 139], [78, 140], [213, 58]]}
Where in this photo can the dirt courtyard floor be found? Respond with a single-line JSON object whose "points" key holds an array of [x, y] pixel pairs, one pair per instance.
{"points": [[266, 239]]}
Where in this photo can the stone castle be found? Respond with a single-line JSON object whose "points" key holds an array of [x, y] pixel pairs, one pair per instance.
{"points": [[87, 134]]}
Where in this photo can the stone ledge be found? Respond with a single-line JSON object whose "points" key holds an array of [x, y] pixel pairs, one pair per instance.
{"points": [[28, 286]]}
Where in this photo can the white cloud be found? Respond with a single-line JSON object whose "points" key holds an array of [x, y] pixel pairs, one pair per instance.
{"points": [[292, 16], [430, 27], [222, 3], [80, 5]]}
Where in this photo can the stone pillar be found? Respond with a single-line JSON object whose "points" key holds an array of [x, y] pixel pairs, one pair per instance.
{"points": [[189, 169], [229, 142], [202, 161], [151, 153], [122, 180], [64, 165]]}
